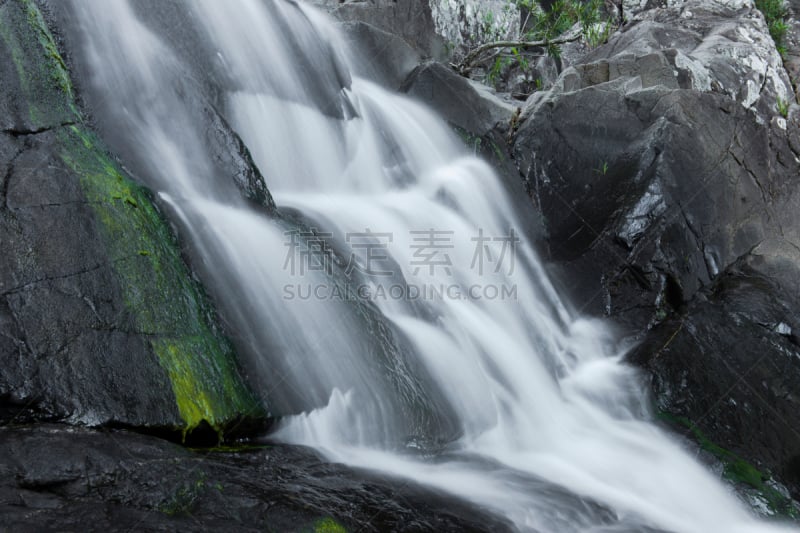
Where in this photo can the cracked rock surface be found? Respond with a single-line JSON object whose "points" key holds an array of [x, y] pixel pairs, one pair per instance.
{"points": [[66, 334]]}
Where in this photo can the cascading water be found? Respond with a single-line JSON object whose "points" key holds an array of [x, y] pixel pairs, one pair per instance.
{"points": [[492, 389]]}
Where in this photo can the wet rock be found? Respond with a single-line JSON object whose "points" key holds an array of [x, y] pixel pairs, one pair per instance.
{"points": [[463, 103], [411, 20], [54, 477], [198, 77], [230, 154], [730, 366], [100, 319], [384, 57]]}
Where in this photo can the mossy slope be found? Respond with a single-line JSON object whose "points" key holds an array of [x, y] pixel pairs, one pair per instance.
{"points": [[167, 306]]}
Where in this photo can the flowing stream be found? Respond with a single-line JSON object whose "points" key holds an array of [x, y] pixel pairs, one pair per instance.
{"points": [[393, 309]]}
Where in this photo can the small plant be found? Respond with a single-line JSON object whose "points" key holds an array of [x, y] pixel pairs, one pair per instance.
{"points": [[602, 169], [775, 14], [598, 33], [783, 107], [542, 31], [185, 496]]}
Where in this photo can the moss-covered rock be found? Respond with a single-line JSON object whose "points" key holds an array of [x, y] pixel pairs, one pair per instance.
{"points": [[750, 480], [100, 319], [34, 65]]}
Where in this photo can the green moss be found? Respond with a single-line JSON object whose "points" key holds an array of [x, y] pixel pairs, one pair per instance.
{"points": [[185, 497], [736, 469], [775, 14], [236, 448], [43, 76], [167, 304], [329, 525], [481, 146], [472, 142]]}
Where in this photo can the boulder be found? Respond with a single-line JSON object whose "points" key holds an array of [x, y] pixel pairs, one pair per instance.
{"points": [[383, 57], [730, 368], [463, 103], [654, 169], [411, 20], [666, 171]]}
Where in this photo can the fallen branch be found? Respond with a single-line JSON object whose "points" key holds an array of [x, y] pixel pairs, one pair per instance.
{"points": [[466, 64]]}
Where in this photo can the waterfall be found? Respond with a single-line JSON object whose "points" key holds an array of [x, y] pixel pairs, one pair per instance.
{"points": [[394, 311]]}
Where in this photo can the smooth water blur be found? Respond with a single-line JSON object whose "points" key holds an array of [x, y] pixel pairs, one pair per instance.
{"points": [[549, 427]]}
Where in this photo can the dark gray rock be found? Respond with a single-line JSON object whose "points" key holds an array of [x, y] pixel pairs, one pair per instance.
{"points": [[791, 57], [47, 90], [230, 155], [411, 20], [652, 175], [667, 181], [62, 307], [731, 366], [465, 104], [384, 57], [53, 477]]}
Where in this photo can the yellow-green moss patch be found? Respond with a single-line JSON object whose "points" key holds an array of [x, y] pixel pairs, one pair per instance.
{"points": [[43, 76], [167, 304]]}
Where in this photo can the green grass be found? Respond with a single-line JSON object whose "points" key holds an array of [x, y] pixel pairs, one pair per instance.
{"points": [[783, 107], [736, 469], [774, 12]]}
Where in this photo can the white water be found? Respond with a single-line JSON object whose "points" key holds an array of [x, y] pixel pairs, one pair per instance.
{"points": [[547, 417]]}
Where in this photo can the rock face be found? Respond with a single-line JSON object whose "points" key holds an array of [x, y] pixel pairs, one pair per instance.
{"points": [[100, 319], [384, 57], [667, 178], [411, 20], [61, 478], [465, 104], [731, 365]]}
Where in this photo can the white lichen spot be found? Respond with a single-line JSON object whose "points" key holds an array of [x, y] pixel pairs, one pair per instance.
{"points": [[783, 329], [751, 93], [701, 79], [734, 4]]}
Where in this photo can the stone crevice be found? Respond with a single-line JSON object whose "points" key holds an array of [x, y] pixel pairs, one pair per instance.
{"points": [[8, 174], [45, 279], [15, 132]]}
